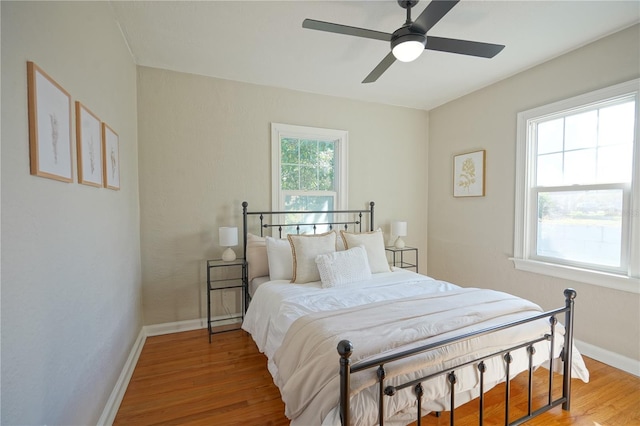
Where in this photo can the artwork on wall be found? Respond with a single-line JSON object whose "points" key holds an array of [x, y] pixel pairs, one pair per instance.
{"points": [[89, 141], [111, 157], [468, 174], [49, 126]]}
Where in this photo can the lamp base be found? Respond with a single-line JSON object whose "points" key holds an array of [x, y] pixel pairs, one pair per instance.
{"points": [[228, 255], [399, 243]]}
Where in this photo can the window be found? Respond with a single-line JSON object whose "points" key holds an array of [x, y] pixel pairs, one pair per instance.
{"points": [[309, 169], [578, 189]]}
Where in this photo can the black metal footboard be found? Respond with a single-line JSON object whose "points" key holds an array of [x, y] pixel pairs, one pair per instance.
{"points": [[345, 349]]}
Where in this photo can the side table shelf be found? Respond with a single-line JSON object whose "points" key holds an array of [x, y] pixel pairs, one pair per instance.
{"points": [[398, 257], [225, 278]]}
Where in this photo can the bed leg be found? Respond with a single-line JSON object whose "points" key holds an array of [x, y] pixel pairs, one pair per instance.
{"points": [[345, 349], [570, 295]]}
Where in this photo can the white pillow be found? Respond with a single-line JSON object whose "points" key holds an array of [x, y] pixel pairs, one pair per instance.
{"points": [[343, 267], [257, 257], [279, 258], [305, 248], [373, 243]]}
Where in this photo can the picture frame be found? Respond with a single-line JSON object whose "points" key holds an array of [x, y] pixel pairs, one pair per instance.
{"points": [[50, 110], [89, 147], [469, 174], [111, 157]]}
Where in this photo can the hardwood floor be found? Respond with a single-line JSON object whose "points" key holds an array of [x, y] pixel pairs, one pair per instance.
{"points": [[181, 379]]}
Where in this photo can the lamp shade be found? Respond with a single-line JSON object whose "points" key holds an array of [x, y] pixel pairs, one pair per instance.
{"points": [[228, 236], [407, 46], [399, 229]]}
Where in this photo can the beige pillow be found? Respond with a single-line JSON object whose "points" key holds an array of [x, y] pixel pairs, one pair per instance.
{"points": [[256, 257], [305, 248], [373, 243]]}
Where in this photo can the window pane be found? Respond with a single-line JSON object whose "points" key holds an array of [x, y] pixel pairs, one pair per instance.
{"points": [[308, 152], [325, 179], [309, 202], [550, 136], [308, 178], [580, 167], [581, 130], [290, 177], [581, 226], [549, 170], [616, 124], [614, 163], [289, 148]]}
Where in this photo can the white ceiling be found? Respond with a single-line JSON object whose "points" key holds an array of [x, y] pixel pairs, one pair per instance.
{"points": [[263, 42]]}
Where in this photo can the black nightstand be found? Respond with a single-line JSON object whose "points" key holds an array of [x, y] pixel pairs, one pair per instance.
{"points": [[398, 257], [226, 278]]}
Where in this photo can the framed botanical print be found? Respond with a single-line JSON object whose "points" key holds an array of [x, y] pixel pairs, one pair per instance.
{"points": [[468, 174], [89, 143], [111, 157], [49, 126]]}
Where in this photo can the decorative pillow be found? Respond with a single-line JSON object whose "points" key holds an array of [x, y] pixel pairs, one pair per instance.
{"points": [[343, 267], [279, 259], [305, 248], [373, 243], [257, 257], [339, 241]]}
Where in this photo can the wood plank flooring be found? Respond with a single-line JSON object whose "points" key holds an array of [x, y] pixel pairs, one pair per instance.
{"points": [[181, 379]]}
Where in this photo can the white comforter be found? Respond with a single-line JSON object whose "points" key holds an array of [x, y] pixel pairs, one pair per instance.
{"points": [[278, 304]]}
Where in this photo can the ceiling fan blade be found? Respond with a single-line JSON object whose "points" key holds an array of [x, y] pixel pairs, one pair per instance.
{"points": [[463, 47], [432, 14], [345, 29], [380, 68]]}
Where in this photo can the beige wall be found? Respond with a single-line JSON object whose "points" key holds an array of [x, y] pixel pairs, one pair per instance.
{"points": [[205, 148], [471, 239], [71, 299]]}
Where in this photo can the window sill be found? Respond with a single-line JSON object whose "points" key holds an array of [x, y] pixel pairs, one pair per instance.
{"points": [[602, 279]]}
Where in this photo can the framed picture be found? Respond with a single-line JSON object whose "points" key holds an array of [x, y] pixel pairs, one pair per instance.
{"points": [[49, 126], [111, 157], [89, 142], [468, 174]]}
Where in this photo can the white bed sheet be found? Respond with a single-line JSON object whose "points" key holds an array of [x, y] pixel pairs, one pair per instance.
{"points": [[277, 304]]}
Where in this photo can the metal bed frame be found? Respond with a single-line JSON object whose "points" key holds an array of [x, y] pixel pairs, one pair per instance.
{"points": [[345, 347]]}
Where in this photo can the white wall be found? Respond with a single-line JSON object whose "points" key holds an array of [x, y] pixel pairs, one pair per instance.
{"points": [[71, 298], [205, 148], [471, 239]]}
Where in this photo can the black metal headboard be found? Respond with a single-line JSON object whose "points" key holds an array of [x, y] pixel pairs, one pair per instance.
{"points": [[337, 218]]}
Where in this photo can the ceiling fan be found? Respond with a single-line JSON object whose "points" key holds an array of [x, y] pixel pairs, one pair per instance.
{"points": [[408, 41]]}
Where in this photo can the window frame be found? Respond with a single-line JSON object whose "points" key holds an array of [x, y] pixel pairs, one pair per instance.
{"points": [[279, 131], [526, 192]]}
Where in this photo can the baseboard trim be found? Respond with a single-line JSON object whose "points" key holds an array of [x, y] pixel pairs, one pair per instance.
{"points": [[113, 403], [613, 359], [189, 325], [175, 327]]}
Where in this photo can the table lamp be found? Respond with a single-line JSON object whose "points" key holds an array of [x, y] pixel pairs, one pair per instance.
{"points": [[399, 229], [228, 238]]}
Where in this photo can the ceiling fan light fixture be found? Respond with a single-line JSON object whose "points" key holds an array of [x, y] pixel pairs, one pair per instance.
{"points": [[408, 47]]}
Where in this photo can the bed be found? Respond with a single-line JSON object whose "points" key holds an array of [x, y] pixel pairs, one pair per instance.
{"points": [[350, 340]]}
